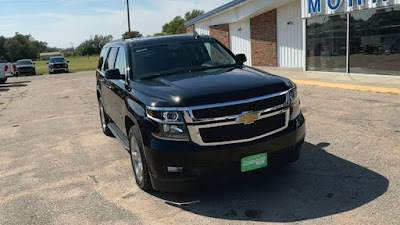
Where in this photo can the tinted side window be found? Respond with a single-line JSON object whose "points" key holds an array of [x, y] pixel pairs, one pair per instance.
{"points": [[216, 55], [110, 64], [120, 63], [102, 59]]}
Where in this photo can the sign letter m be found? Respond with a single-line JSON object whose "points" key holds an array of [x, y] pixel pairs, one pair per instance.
{"points": [[314, 6]]}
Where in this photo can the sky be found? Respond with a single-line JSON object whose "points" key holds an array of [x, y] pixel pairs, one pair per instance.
{"points": [[66, 23]]}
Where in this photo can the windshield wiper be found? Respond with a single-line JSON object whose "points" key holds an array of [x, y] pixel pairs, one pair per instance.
{"points": [[152, 76], [166, 73], [212, 67]]}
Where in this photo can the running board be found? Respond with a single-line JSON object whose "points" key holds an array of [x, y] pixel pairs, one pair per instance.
{"points": [[119, 135]]}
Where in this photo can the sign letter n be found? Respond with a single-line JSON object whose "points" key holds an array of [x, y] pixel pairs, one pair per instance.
{"points": [[314, 6]]}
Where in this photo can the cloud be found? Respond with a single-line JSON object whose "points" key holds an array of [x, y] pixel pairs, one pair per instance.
{"points": [[62, 29]]}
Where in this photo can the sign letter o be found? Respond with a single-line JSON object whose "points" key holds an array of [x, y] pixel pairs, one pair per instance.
{"points": [[336, 6]]}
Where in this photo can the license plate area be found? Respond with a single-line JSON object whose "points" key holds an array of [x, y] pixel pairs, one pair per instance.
{"points": [[254, 162]]}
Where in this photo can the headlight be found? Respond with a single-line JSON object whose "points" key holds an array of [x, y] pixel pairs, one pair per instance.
{"points": [[171, 124], [294, 104]]}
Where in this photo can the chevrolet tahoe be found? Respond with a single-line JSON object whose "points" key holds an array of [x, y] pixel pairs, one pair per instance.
{"points": [[187, 108]]}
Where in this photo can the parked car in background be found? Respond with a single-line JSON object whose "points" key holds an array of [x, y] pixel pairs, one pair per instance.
{"points": [[58, 64], [25, 67], [3, 68], [187, 108], [11, 69]]}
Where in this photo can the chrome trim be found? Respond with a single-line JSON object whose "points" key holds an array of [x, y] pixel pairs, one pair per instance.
{"points": [[155, 108], [286, 104], [163, 121], [194, 130], [188, 111], [170, 139]]}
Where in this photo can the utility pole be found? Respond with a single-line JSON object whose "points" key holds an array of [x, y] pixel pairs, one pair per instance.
{"points": [[129, 18]]}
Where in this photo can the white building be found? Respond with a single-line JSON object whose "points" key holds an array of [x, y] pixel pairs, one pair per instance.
{"points": [[349, 36]]}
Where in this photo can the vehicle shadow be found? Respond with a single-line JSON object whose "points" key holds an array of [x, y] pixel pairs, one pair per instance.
{"points": [[319, 185], [8, 85], [3, 89], [19, 82]]}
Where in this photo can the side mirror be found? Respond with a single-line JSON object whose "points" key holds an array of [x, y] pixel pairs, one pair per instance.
{"points": [[34, 63], [47, 63], [113, 74], [242, 57], [67, 61]]}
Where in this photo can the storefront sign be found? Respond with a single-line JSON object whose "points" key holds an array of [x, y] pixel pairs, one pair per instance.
{"points": [[322, 7]]}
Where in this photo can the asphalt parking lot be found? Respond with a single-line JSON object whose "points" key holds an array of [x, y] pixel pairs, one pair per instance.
{"points": [[56, 166]]}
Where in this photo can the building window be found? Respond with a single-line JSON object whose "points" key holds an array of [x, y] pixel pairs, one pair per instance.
{"points": [[326, 43], [375, 41]]}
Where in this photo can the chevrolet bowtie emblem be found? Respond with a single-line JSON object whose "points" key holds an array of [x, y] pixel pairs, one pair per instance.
{"points": [[248, 117]]}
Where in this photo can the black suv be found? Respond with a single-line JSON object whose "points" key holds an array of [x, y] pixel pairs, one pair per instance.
{"points": [[186, 108], [58, 64]]}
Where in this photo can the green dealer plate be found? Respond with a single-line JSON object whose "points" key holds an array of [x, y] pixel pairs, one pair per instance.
{"points": [[254, 162]]}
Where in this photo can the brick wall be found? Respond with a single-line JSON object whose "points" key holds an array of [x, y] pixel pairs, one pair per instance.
{"points": [[264, 39], [221, 33], [190, 29]]}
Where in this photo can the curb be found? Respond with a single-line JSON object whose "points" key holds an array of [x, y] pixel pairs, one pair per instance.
{"points": [[350, 86]]}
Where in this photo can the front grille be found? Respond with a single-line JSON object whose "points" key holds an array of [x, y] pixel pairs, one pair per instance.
{"points": [[242, 131], [25, 69], [59, 66], [239, 108]]}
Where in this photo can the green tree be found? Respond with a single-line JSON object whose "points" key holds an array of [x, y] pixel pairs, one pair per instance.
{"points": [[93, 46], [177, 25], [20, 46], [3, 55], [193, 14], [132, 34]]}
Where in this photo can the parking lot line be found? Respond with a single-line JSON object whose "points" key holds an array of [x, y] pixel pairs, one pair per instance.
{"points": [[349, 86]]}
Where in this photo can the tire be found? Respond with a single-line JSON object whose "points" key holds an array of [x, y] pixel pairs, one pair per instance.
{"points": [[104, 120], [294, 156], [138, 160], [34, 73], [2, 81]]}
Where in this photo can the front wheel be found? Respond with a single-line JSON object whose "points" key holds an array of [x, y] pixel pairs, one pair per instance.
{"points": [[138, 159], [104, 120]]}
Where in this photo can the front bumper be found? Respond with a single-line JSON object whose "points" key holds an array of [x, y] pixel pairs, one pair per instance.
{"points": [[201, 162], [25, 71], [53, 70]]}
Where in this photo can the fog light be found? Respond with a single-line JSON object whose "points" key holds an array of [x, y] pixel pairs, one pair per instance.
{"points": [[173, 169]]}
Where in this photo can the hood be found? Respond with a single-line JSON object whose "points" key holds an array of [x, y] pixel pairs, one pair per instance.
{"points": [[209, 87], [25, 66], [58, 63]]}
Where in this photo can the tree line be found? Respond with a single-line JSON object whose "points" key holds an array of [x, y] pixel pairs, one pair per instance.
{"points": [[26, 47], [22, 47]]}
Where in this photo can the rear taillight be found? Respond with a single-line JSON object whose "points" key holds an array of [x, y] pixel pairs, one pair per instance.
{"points": [[15, 67], [6, 68]]}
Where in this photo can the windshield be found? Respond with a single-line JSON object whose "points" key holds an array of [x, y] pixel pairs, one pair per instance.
{"points": [[24, 62], [169, 58], [57, 60]]}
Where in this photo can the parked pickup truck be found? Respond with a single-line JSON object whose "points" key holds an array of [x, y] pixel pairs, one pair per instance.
{"points": [[187, 109], [4, 67], [58, 64], [25, 67]]}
